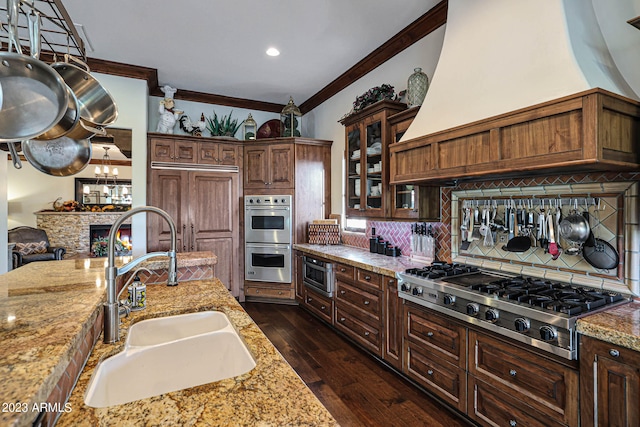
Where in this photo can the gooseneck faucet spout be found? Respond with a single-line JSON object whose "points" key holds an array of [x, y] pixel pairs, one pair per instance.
{"points": [[111, 317]]}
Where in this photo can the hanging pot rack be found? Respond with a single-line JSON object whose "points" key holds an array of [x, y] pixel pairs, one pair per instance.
{"points": [[57, 32]]}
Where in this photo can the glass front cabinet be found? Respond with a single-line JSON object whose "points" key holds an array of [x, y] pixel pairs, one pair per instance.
{"points": [[367, 156]]}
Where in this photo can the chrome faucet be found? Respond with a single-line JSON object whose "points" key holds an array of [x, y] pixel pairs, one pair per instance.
{"points": [[111, 307]]}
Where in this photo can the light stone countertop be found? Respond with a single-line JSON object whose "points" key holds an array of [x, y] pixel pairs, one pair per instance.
{"points": [[46, 307], [361, 258], [618, 325]]}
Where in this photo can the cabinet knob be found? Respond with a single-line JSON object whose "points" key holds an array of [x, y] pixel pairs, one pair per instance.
{"points": [[323, 308], [309, 299], [342, 319], [367, 303], [366, 334], [513, 423], [343, 292], [279, 292], [429, 334], [614, 353], [342, 269], [512, 372], [430, 372], [367, 277]]}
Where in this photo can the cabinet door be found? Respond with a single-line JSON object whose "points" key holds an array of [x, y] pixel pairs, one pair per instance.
{"points": [[393, 323], [214, 222], [614, 372], [354, 171], [228, 155], [256, 166], [281, 166], [185, 152], [169, 191], [208, 153], [373, 166], [161, 150]]}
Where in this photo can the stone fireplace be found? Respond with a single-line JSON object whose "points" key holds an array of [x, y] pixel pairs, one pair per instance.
{"points": [[72, 230]]}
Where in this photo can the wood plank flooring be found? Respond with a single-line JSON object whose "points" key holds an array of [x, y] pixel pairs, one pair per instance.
{"points": [[354, 387]]}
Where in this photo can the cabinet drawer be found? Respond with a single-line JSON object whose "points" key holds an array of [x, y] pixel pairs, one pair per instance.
{"points": [[367, 278], [319, 304], [344, 271], [489, 406], [439, 376], [362, 332], [368, 302], [207, 153], [442, 336], [271, 293], [546, 385]]}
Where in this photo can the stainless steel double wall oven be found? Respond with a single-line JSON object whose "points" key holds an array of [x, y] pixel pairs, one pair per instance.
{"points": [[267, 236]]}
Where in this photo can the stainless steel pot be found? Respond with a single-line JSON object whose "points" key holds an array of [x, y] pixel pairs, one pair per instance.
{"points": [[34, 96], [58, 157], [575, 228], [97, 107]]}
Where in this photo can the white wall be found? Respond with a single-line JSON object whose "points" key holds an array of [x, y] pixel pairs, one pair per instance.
{"points": [[324, 118]]}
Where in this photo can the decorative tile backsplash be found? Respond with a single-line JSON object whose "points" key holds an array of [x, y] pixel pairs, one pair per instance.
{"points": [[619, 223]]}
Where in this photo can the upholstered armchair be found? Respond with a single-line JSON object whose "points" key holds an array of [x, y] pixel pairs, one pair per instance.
{"points": [[32, 244]]}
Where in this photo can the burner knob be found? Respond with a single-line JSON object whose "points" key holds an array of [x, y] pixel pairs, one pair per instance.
{"points": [[472, 309], [548, 333], [404, 287], [491, 315], [417, 290], [449, 299], [522, 324]]}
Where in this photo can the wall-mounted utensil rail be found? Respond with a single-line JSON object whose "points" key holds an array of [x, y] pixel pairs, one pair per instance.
{"points": [[57, 32]]}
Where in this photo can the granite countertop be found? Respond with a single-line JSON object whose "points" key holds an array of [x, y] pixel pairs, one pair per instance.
{"points": [[361, 258], [618, 325], [46, 307]]}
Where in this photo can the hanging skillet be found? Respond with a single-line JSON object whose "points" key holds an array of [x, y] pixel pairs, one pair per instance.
{"points": [[602, 254]]}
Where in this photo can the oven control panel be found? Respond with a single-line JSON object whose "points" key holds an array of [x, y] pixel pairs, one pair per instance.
{"points": [[262, 200]]}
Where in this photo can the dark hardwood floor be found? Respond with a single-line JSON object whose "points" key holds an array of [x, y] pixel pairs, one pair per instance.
{"points": [[354, 387]]}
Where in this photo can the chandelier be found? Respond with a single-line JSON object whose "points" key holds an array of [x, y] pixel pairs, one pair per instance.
{"points": [[105, 175]]}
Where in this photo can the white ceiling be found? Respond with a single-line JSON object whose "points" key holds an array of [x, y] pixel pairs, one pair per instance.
{"points": [[219, 47]]}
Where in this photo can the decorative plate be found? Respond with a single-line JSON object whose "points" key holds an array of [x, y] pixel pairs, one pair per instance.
{"points": [[270, 129]]}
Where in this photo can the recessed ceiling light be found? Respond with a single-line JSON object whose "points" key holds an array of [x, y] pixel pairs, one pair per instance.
{"points": [[272, 51]]}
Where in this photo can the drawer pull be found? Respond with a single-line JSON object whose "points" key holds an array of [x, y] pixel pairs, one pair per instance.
{"points": [[309, 299], [279, 292], [430, 372], [366, 334], [366, 302], [323, 308], [614, 353], [342, 319], [367, 277], [513, 423], [429, 334], [512, 372], [343, 292], [342, 269]]}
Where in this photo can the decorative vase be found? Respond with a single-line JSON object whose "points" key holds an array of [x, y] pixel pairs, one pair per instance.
{"points": [[417, 86]]}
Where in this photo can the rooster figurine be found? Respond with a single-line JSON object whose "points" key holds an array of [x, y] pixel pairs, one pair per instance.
{"points": [[194, 129]]}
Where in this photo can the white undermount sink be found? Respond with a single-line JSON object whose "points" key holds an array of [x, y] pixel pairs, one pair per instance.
{"points": [[169, 354]]}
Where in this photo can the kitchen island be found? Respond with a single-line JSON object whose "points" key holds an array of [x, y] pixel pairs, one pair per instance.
{"points": [[48, 312]]}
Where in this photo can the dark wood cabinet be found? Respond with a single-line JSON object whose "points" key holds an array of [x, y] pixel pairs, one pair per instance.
{"points": [[392, 323], [609, 384], [204, 206], [409, 201], [269, 166], [220, 154], [541, 388], [358, 308], [172, 150], [368, 135], [594, 130], [435, 354]]}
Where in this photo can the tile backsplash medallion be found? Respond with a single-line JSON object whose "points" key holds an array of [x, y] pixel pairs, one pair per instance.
{"points": [[399, 232]]}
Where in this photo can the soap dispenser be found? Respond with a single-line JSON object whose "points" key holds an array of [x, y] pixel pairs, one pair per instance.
{"points": [[137, 294]]}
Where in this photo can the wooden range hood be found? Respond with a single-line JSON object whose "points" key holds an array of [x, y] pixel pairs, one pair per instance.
{"points": [[594, 130]]}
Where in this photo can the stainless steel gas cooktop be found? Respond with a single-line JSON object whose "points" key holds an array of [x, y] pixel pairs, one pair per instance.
{"points": [[534, 311]]}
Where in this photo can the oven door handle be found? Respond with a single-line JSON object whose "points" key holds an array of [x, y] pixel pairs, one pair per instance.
{"points": [[268, 245], [268, 208]]}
